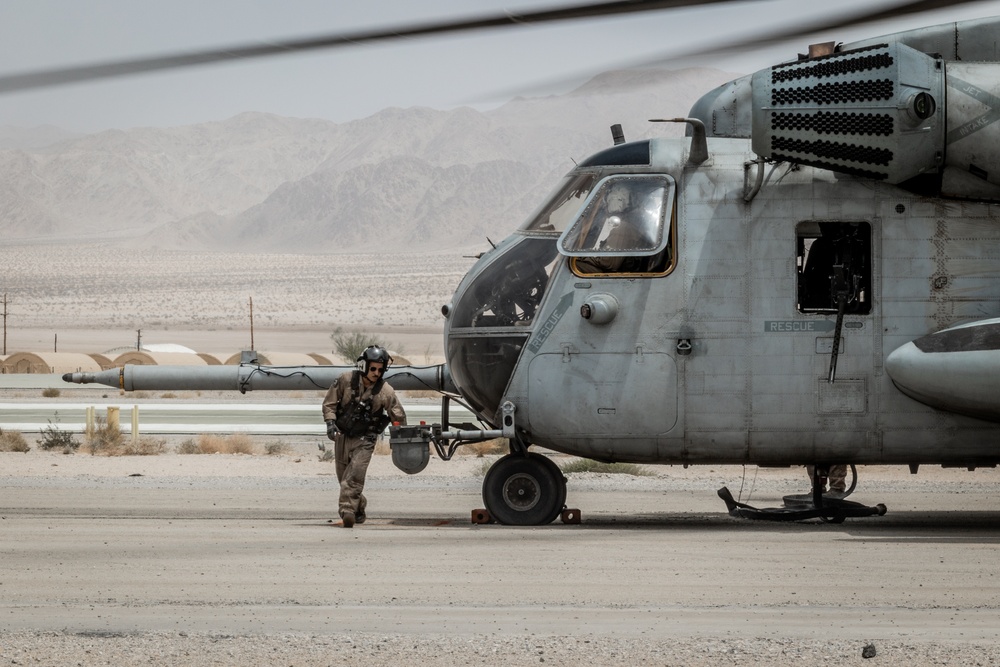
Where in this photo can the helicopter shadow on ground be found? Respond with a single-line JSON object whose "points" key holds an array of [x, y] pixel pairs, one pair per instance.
{"points": [[945, 527]]}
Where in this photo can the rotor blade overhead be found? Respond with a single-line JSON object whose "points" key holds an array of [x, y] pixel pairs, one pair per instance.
{"points": [[856, 19], [755, 42], [107, 70], [112, 69]]}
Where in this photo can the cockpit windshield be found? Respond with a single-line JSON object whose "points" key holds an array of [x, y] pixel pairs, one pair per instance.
{"points": [[625, 216], [561, 208], [624, 228]]}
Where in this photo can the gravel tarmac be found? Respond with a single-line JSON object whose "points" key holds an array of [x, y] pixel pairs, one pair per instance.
{"points": [[231, 560]]}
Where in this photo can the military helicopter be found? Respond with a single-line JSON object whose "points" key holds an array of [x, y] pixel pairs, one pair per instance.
{"points": [[808, 277]]}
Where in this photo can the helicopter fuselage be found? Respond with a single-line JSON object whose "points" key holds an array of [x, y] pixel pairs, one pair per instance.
{"points": [[725, 353]]}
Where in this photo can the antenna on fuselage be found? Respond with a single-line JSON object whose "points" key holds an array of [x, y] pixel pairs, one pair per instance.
{"points": [[617, 135]]}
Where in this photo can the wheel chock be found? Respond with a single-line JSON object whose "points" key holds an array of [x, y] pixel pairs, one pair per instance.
{"points": [[481, 516], [570, 516]]}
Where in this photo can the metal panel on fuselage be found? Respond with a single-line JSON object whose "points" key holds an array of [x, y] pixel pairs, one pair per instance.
{"points": [[941, 267], [754, 387], [797, 414], [935, 263]]}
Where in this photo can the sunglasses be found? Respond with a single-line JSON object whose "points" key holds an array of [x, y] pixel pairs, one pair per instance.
{"points": [[376, 369]]}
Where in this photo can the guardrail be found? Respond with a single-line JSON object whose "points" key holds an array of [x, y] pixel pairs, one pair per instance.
{"points": [[192, 418]]}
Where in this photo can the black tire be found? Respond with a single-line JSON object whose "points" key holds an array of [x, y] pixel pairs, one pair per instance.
{"points": [[524, 490], [557, 473]]}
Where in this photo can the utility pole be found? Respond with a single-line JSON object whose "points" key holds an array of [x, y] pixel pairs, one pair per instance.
{"points": [[55, 342], [251, 324], [138, 339], [5, 323]]}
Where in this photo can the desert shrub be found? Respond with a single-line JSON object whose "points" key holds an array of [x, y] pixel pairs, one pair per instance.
{"points": [[147, 446], [51, 392], [168, 394], [481, 449], [188, 446], [106, 439], [210, 443], [350, 345], [240, 443], [589, 465], [52, 437], [13, 441], [277, 448]]}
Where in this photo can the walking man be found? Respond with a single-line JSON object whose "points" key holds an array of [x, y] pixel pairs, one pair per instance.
{"points": [[357, 408]]}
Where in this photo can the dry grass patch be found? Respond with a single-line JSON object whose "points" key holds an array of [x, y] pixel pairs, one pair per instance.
{"points": [[209, 443], [277, 448], [144, 446], [590, 465], [13, 441], [108, 440], [485, 448]]}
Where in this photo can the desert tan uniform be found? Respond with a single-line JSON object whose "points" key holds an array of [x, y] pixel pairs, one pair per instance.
{"points": [[353, 454], [837, 475]]}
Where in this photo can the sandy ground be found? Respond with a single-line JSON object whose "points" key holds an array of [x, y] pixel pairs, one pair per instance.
{"points": [[96, 299], [229, 559], [232, 560]]}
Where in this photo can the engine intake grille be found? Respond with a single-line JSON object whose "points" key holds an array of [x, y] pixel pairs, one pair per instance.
{"points": [[852, 112]]}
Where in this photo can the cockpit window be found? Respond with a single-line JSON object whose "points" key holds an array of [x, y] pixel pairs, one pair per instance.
{"points": [[625, 227], [507, 292], [560, 209]]}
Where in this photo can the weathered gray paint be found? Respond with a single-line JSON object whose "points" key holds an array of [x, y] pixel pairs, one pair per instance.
{"points": [[753, 385]]}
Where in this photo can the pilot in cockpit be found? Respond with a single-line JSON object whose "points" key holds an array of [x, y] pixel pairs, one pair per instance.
{"points": [[628, 218]]}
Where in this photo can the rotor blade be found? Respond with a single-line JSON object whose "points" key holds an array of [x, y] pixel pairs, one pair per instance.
{"points": [[752, 43], [54, 77], [849, 21]]}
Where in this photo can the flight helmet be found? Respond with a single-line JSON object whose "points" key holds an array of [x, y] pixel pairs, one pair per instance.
{"points": [[373, 353]]}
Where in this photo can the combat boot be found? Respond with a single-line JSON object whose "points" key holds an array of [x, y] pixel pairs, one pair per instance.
{"points": [[348, 518]]}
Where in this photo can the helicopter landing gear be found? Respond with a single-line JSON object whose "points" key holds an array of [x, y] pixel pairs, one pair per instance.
{"points": [[524, 490], [829, 509]]}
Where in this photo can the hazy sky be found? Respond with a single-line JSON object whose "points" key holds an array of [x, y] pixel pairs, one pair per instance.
{"points": [[355, 82]]}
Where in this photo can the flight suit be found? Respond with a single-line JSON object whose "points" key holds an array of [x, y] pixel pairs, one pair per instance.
{"points": [[353, 453], [837, 476]]}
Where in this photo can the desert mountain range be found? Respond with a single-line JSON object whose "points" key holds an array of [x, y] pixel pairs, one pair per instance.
{"points": [[414, 177]]}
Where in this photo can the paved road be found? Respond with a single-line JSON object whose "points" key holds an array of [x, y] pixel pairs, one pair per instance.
{"points": [[250, 555], [182, 417]]}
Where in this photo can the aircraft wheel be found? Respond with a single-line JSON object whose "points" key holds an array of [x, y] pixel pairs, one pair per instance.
{"points": [[524, 490], [560, 478]]}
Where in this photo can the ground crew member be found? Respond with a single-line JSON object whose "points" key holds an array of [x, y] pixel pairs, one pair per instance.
{"points": [[357, 408], [837, 476]]}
